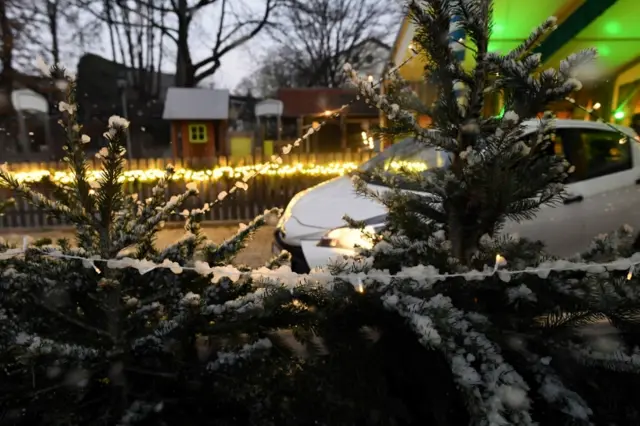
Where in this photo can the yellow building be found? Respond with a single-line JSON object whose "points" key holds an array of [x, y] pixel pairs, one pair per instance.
{"points": [[608, 25]]}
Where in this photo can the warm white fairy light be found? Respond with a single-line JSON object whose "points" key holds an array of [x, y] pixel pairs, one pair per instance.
{"points": [[500, 261], [422, 274], [277, 159]]}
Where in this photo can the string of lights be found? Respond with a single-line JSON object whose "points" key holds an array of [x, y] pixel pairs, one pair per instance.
{"points": [[217, 173], [420, 273], [274, 167], [277, 159], [592, 112]]}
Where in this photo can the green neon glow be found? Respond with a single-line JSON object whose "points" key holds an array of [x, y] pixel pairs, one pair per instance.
{"points": [[604, 50], [613, 28], [619, 115], [497, 29]]}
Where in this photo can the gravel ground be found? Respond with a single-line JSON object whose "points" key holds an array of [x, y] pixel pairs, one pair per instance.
{"points": [[256, 254]]}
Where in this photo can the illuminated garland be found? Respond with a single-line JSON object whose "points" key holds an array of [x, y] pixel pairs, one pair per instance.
{"points": [[218, 173], [423, 276]]}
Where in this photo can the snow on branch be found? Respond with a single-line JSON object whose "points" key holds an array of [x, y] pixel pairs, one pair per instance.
{"points": [[36, 345], [608, 356], [424, 275], [533, 40], [394, 112], [538, 89], [247, 351], [556, 393], [217, 254], [38, 200], [496, 394]]}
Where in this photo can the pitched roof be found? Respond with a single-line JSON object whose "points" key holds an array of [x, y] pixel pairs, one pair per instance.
{"points": [[196, 104], [315, 101]]}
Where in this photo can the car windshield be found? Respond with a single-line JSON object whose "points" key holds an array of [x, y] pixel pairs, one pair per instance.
{"points": [[408, 154]]}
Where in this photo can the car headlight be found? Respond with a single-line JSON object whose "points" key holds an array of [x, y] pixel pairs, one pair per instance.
{"points": [[347, 238]]}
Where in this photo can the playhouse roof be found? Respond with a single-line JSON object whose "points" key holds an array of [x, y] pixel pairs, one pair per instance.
{"points": [[196, 104]]}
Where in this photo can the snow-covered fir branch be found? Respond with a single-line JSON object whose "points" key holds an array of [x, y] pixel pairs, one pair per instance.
{"points": [[394, 112], [216, 254], [606, 353], [497, 394], [39, 200], [247, 351], [553, 390], [36, 345], [139, 411]]}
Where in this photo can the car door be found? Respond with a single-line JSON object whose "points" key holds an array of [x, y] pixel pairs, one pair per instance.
{"points": [[601, 191], [560, 227]]}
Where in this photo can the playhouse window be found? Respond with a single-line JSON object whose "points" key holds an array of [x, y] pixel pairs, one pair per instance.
{"points": [[197, 133]]}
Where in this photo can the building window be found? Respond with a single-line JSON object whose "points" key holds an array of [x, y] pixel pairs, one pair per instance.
{"points": [[198, 133]]}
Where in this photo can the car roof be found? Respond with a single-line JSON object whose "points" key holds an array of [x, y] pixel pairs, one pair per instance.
{"points": [[531, 125]]}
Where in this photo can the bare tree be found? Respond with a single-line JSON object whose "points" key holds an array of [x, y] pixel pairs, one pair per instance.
{"points": [[136, 39], [58, 30], [279, 68], [7, 31], [235, 24], [231, 24], [15, 20], [317, 37]]}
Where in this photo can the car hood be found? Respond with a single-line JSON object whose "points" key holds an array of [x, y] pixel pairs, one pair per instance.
{"points": [[323, 206]]}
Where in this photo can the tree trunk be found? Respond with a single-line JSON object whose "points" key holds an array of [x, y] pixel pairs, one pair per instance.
{"points": [[110, 25], [157, 91], [52, 15], [6, 74], [463, 228], [184, 65]]}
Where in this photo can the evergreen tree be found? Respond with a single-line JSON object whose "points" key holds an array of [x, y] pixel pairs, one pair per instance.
{"points": [[427, 327], [514, 343], [111, 330]]}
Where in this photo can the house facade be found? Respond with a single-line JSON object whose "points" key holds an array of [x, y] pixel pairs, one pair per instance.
{"points": [[610, 86], [307, 107]]}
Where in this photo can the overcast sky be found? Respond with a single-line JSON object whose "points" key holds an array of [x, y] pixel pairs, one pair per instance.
{"points": [[236, 64]]}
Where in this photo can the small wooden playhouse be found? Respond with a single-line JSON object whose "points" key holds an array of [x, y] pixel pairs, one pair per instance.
{"points": [[199, 119]]}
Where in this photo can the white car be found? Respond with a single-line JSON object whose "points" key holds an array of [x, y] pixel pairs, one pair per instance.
{"points": [[603, 195]]}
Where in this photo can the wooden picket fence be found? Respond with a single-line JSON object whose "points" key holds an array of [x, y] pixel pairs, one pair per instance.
{"points": [[264, 191]]}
